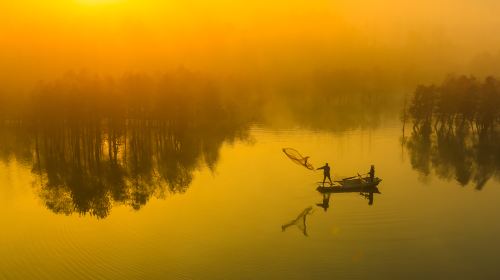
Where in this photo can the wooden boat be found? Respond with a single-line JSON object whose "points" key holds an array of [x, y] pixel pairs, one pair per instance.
{"points": [[352, 184]]}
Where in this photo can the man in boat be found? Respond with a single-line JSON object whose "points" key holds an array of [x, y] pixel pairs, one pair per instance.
{"points": [[372, 173], [326, 173]]}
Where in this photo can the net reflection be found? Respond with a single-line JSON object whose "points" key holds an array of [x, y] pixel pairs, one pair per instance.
{"points": [[300, 221]]}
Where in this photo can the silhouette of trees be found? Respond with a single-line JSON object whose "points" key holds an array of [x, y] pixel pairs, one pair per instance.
{"points": [[422, 107], [455, 129], [96, 142], [460, 102]]}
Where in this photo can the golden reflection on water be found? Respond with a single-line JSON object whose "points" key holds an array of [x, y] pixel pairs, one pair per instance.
{"points": [[198, 186], [227, 223]]}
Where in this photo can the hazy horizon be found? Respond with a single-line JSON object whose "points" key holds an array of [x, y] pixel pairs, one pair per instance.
{"points": [[405, 42]]}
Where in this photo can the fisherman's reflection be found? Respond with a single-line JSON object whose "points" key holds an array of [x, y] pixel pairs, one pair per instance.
{"points": [[368, 196], [326, 201]]}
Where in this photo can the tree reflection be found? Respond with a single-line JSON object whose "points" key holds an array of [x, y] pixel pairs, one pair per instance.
{"points": [[455, 130], [85, 169]]}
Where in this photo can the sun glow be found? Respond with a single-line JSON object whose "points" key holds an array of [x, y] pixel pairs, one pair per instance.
{"points": [[98, 2]]}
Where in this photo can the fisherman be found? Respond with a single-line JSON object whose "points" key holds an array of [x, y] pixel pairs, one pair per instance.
{"points": [[326, 173], [372, 173]]}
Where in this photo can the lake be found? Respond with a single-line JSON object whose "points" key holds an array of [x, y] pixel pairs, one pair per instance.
{"points": [[153, 202]]}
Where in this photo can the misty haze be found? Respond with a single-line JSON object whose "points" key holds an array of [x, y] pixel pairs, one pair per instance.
{"points": [[249, 140]]}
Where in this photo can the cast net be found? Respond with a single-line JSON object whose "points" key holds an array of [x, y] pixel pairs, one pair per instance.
{"points": [[296, 157]]}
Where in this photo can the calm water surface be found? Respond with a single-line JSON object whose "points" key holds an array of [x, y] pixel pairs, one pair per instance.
{"points": [[236, 217]]}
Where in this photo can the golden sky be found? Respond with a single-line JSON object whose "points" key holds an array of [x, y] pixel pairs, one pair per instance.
{"points": [[39, 39]]}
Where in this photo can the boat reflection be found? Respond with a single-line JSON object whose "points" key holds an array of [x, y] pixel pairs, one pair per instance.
{"points": [[301, 219], [365, 192]]}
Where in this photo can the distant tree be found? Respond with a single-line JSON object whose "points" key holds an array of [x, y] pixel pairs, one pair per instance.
{"points": [[489, 103], [422, 105]]}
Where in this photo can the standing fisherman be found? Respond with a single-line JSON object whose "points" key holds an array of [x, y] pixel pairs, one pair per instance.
{"points": [[372, 173], [326, 173]]}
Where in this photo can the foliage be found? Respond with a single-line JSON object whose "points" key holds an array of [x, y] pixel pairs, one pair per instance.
{"points": [[455, 130]]}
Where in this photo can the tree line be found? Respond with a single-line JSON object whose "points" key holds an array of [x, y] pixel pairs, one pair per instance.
{"points": [[460, 101], [455, 129]]}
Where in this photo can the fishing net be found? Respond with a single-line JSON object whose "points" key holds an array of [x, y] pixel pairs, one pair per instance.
{"points": [[296, 157]]}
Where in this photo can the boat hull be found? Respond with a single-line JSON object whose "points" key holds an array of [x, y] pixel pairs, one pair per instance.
{"points": [[355, 185]]}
